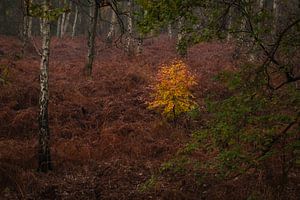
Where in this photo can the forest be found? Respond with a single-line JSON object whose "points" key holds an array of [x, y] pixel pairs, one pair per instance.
{"points": [[141, 99]]}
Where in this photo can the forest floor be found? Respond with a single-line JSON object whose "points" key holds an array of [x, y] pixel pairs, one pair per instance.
{"points": [[105, 143]]}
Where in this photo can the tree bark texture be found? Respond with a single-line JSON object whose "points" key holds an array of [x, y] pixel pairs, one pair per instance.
{"points": [[170, 32], [67, 19], [62, 23], [112, 27], [182, 50], [275, 17], [94, 13], [75, 22], [229, 24], [27, 25], [58, 27], [129, 43], [44, 158]]}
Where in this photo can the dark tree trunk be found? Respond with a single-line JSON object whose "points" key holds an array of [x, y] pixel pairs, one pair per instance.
{"points": [[26, 32], [44, 162], [91, 38]]}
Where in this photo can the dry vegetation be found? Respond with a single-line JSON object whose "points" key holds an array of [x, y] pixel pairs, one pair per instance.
{"points": [[105, 142]]}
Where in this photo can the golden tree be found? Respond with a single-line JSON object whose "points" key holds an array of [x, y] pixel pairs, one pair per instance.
{"points": [[171, 92]]}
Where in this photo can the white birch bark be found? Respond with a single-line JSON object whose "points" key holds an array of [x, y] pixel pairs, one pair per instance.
{"points": [[67, 20], [62, 23], [128, 47], [112, 27], [261, 4], [44, 135], [170, 32], [75, 22], [275, 17], [58, 27], [30, 27], [25, 33], [180, 35]]}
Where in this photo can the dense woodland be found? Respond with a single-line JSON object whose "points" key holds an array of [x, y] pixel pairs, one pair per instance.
{"points": [[139, 99]]}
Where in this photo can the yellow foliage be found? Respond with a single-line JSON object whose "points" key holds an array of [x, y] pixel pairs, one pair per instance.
{"points": [[171, 93]]}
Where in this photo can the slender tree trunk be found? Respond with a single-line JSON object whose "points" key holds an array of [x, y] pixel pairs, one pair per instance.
{"points": [[229, 24], [170, 32], [26, 25], [91, 37], [24, 34], [29, 27], [44, 162], [75, 22], [58, 27], [79, 22], [261, 4], [30, 22], [129, 48], [105, 11], [67, 20], [62, 23], [261, 8], [140, 45], [99, 30], [112, 27], [275, 17], [180, 32], [181, 48], [140, 40]]}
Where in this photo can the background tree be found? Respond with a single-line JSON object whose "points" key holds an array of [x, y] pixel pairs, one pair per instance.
{"points": [[129, 39], [112, 29], [27, 24], [94, 13], [75, 21]]}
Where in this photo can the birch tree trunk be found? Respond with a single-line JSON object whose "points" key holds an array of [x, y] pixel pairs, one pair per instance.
{"points": [[112, 27], [29, 27], [75, 22], [181, 49], [275, 17], [58, 27], [128, 47], [44, 157], [62, 23], [67, 19], [170, 32], [91, 37], [24, 34], [261, 4], [180, 32], [140, 40]]}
